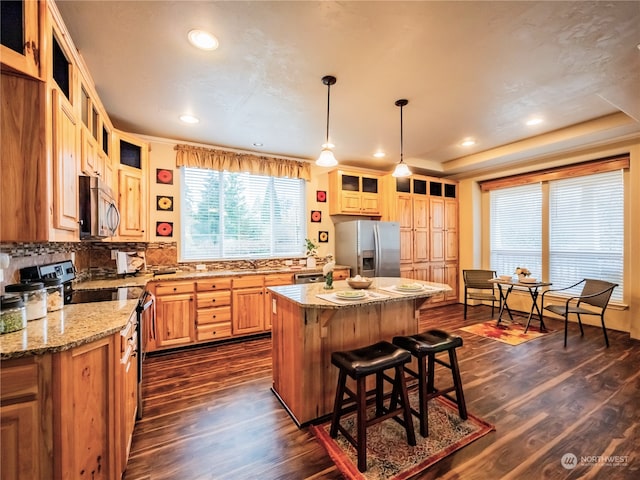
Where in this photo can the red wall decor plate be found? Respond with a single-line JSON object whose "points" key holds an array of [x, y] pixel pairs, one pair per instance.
{"points": [[321, 196], [164, 176], [316, 216], [164, 229]]}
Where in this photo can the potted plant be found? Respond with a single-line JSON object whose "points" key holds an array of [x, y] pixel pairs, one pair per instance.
{"points": [[312, 249]]}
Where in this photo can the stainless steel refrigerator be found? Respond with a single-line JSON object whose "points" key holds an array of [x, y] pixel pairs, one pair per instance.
{"points": [[369, 247]]}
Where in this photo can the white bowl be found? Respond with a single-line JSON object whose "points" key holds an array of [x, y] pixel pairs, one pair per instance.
{"points": [[529, 280]]}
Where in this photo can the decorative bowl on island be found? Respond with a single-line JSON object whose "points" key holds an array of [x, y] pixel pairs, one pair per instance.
{"points": [[359, 282]]}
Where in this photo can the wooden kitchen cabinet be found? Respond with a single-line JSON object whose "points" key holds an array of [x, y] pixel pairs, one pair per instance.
{"points": [[127, 406], [427, 210], [65, 165], [25, 419], [68, 415], [248, 308], [24, 181], [213, 315], [20, 38], [354, 193], [84, 444], [132, 156], [175, 314]]}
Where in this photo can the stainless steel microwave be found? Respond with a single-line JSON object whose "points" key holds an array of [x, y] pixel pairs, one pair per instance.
{"points": [[99, 215]]}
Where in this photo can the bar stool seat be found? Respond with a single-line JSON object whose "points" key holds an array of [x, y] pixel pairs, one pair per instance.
{"points": [[425, 346], [359, 364]]}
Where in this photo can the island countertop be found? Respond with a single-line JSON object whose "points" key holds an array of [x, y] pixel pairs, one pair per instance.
{"points": [[382, 290]]}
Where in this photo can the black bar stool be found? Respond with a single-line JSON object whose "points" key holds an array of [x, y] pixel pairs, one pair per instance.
{"points": [[425, 346], [358, 364]]}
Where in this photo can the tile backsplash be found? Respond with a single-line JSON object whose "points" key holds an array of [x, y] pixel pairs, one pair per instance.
{"points": [[93, 260]]}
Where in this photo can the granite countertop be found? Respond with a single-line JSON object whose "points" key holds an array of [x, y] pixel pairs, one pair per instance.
{"points": [[142, 280], [75, 325], [69, 327], [382, 290]]}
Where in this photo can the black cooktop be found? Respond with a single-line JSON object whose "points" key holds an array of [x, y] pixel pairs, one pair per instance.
{"points": [[106, 294]]}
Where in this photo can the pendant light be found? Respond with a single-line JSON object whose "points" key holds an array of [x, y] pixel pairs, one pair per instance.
{"points": [[326, 158], [402, 170]]}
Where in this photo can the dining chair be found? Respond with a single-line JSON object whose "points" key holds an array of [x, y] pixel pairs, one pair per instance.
{"points": [[595, 293], [478, 287]]}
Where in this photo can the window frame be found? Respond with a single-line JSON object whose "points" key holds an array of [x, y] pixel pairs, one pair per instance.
{"points": [[618, 162], [193, 257]]}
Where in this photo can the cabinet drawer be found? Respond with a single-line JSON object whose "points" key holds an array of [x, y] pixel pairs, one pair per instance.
{"points": [[278, 279], [213, 284], [174, 287], [213, 315], [214, 299], [213, 331], [19, 379], [248, 281]]}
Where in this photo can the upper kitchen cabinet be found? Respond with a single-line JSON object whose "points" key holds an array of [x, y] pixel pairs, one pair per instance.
{"points": [[427, 210], [354, 193], [132, 157], [23, 161], [65, 136], [96, 137], [20, 36]]}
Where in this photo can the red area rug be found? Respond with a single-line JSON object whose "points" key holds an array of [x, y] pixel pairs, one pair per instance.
{"points": [[389, 457], [507, 332]]}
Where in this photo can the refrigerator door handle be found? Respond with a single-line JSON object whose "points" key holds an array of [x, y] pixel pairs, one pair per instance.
{"points": [[377, 250]]}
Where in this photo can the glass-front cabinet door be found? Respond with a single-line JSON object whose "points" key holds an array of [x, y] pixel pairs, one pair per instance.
{"points": [[20, 36]]}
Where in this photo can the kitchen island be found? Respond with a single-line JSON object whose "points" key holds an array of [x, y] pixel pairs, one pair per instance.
{"points": [[309, 323]]}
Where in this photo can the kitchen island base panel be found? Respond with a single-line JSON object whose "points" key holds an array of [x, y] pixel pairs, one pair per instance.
{"points": [[304, 338]]}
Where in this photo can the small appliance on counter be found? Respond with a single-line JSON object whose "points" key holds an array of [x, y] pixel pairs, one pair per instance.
{"points": [[130, 263]]}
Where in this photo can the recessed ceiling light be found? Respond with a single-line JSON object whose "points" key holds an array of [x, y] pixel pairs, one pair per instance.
{"points": [[469, 142], [534, 121], [203, 40], [258, 144], [379, 154], [189, 119]]}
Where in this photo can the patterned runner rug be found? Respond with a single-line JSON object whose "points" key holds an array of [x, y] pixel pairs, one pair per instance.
{"points": [[389, 456], [507, 332]]}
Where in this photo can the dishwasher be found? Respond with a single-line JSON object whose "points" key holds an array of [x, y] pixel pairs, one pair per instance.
{"points": [[302, 278]]}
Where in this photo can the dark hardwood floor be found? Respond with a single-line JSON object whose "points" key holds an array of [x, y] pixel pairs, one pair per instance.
{"points": [[209, 412]]}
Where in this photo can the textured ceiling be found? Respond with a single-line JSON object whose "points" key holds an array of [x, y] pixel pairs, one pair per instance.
{"points": [[468, 69]]}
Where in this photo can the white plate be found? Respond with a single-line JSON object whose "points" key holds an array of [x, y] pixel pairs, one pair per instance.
{"points": [[351, 294], [410, 287]]}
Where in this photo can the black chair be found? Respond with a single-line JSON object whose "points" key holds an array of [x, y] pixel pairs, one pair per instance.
{"points": [[478, 287], [358, 364], [594, 292], [425, 346]]}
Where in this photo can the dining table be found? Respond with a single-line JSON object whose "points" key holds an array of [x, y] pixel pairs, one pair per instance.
{"points": [[533, 286]]}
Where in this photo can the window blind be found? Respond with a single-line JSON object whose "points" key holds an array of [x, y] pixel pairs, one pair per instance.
{"points": [[516, 229], [228, 215], [586, 230]]}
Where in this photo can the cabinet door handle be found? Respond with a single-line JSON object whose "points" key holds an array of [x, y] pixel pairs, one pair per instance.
{"points": [[213, 300]]}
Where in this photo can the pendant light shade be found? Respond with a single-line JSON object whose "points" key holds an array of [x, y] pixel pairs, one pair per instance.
{"points": [[402, 169], [326, 158]]}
